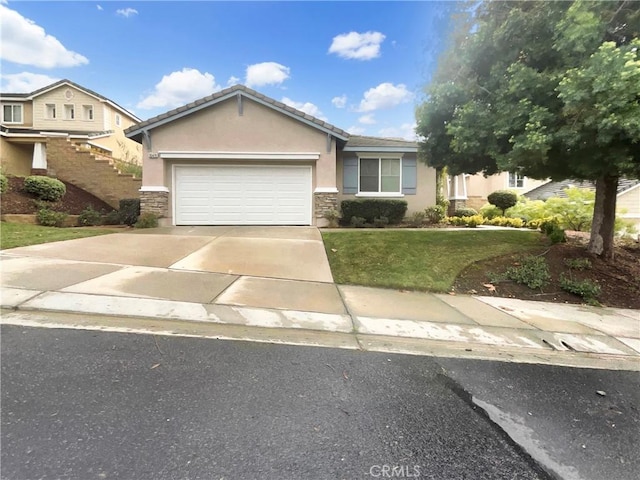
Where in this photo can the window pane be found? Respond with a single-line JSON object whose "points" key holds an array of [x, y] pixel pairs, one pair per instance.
{"points": [[391, 184], [17, 114], [390, 166], [369, 174]]}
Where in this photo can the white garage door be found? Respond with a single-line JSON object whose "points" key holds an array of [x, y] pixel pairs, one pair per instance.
{"points": [[242, 195]]}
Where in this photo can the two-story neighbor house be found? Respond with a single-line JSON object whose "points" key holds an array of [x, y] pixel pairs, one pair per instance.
{"points": [[61, 110]]}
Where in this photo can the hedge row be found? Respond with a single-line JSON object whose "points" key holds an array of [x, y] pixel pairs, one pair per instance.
{"points": [[373, 208]]}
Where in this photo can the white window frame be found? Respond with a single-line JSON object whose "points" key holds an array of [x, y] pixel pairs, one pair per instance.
{"points": [[380, 193], [87, 112], [118, 120], [14, 107], [69, 108], [51, 111], [517, 177]]}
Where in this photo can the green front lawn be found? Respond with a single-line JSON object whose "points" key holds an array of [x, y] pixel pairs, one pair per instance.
{"points": [[19, 235], [417, 260]]}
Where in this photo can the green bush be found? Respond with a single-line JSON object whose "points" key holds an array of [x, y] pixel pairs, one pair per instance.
{"points": [[503, 199], [129, 210], [532, 272], [435, 214], [112, 218], [574, 212], [45, 188], [4, 183], [358, 222], [586, 289], [373, 208], [333, 216], [49, 218], [89, 217], [527, 209], [147, 220], [465, 212], [473, 221], [506, 222], [380, 222], [578, 263], [490, 212]]}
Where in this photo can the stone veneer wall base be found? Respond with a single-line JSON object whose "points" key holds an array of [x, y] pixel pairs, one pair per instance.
{"points": [[155, 202]]}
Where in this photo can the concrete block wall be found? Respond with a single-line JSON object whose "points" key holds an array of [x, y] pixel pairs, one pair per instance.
{"points": [[97, 176]]}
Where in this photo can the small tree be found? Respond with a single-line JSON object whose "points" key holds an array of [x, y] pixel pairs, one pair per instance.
{"points": [[503, 199]]}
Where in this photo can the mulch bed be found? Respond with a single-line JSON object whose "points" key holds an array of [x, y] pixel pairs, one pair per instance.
{"points": [[16, 201]]}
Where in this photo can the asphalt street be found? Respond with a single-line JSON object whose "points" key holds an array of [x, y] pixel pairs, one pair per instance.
{"points": [[83, 405]]}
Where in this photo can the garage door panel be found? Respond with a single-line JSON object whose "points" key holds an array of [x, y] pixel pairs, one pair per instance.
{"points": [[249, 195]]}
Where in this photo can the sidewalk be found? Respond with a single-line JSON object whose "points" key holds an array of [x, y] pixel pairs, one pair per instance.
{"points": [[75, 294]]}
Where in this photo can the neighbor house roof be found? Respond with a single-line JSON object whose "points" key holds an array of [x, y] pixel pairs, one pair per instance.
{"points": [[359, 143], [136, 131], [557, 189], [48, 88]]}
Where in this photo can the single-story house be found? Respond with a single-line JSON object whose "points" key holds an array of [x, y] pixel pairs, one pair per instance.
{"points": [[238, 157]]}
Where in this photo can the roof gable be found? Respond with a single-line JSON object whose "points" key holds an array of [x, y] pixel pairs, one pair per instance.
{"points": [[135, 132], [68, 83]]}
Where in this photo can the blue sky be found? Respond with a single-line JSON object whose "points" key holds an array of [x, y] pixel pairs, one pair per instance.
{"points": [[361, 66]]}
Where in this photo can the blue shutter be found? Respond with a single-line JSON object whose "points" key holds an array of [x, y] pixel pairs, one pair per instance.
{"points": [[409, 176], [350, 175]]}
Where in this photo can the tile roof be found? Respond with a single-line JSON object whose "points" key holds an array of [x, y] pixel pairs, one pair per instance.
{"points": [[556, 189], [59, 83], [227, 93]]}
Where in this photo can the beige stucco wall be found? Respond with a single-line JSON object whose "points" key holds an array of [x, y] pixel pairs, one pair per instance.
{"points": [[57, 97], [220, 128], [425, 192], [15, 158], [479, 187]]}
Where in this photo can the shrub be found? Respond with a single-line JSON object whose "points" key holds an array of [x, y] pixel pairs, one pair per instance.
{"points": [[503, 199], [380, 222], [506, 222], [112, 218], [473, 221], [333, 216], [147, 220], [358, 222], [586, 289], [129, 210], [490, 211], [527, 209], [45, 188], [417, 219], [532, 272], [435, 214], [465, 212], [578, 263], [574, 212], [371, 209], [4, 183], [89, 217], [49, 218]]}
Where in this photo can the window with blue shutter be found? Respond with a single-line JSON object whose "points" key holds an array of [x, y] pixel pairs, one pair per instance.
{"points": [[409, 176], [350, 175]]}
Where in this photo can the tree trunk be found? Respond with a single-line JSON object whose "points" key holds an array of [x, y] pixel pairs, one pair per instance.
{"points": [[604, 217]]}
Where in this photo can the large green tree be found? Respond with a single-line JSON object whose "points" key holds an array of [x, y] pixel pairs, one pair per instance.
{"points": [[549, 89]]}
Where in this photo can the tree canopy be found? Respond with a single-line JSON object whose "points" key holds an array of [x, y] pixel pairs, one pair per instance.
{"points": [[548, 89]]}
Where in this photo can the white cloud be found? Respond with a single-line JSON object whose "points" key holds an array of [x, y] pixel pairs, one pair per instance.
{"points": [[99, 7], [126, 12], [306, 107], [339, 102], [266, 73], [385, 95], [367, 119], [26, 43], [358, 46], [25, 82], [179, 88], [406, 131], [232, 81], [356, 130]]}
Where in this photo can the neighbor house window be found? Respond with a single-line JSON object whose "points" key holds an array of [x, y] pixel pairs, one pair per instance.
{"points": [[88, 112], [380, 175], [51, 111], [12, 113], [118, 120], [69, 112], [516, 180]]}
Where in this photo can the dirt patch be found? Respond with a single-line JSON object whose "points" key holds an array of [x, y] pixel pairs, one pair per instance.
{"points": [[16, 201], [619, 281]]}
